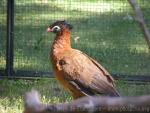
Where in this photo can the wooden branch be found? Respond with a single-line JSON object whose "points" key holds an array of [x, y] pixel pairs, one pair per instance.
{"points": [[140, 20], [88, 104]]}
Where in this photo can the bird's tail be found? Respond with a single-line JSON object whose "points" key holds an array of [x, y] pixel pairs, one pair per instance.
{"points": [[115, 94]]}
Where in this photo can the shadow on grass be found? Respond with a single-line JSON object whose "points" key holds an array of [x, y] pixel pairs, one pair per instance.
{"points": [[52, 92], [47, 87], [116, 42], [107, 37], [12, 92]]}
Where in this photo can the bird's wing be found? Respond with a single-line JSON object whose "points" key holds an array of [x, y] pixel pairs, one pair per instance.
{"points": [[85, 74], [101, 68]]}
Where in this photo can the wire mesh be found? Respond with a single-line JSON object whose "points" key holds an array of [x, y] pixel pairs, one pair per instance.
{"points": [[103, 29], [3, 13]]}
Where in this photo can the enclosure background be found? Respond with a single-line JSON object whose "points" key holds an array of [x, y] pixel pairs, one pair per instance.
{"points": [[105, 28]]}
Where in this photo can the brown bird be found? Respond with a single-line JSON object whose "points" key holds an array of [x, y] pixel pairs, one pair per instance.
{"points": [[77, 72]]}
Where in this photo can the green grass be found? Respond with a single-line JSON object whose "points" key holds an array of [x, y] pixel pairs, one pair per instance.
{"points": [[12, 92], [106, 33]]}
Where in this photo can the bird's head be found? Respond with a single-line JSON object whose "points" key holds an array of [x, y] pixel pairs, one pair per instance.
{"points": [[58, 26]]}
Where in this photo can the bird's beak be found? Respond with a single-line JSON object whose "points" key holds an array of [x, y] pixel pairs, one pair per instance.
{"points": [[49, 29]]}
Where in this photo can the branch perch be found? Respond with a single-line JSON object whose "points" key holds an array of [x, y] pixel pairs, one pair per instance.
{"points": [[140, 20], [88, 104]]}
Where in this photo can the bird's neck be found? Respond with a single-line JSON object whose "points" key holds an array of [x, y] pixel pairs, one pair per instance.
{"points": [[61, 42]]}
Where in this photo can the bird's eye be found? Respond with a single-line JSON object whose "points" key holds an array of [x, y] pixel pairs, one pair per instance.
{"points": [[56, 29]]}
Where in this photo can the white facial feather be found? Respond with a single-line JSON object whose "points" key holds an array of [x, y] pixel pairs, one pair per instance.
{"points": [[56, 27]]}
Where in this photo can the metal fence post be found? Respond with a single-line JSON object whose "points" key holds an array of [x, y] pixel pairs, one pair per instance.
{"points": [[10, 37]]}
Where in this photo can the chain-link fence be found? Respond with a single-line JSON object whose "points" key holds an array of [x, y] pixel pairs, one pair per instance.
{"points": [[103, 29]]}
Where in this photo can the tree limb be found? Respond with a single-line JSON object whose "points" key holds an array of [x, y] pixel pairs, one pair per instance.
{"points": [[140, 20], [88, 104]]}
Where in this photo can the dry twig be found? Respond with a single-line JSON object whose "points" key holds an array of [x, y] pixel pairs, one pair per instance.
{"points": [[88, 104], [140, 20]]}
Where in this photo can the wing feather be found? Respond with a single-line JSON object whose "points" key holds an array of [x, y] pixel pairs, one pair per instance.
{"points": [[87, 75]]}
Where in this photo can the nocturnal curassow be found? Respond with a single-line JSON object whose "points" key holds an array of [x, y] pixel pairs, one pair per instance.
{"points": [[77, 72]]}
